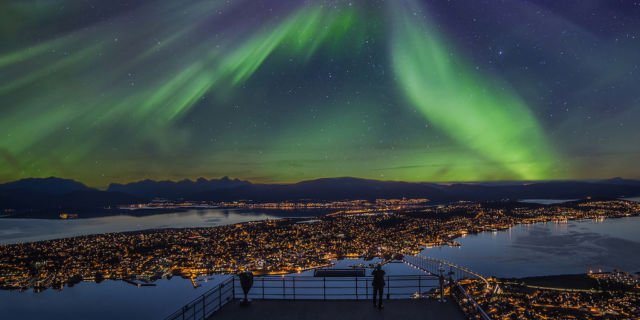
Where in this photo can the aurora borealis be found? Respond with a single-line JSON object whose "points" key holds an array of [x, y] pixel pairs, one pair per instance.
{"points": [[283, 90]]}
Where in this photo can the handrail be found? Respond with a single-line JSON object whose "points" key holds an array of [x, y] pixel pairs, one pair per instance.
{"points": [[302, 287], [471, 301], [206, 304], [330, 288], [335, 288]]}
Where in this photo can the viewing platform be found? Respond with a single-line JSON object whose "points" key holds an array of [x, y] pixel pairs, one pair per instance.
{"points": [[339, 309], [415, 290]]}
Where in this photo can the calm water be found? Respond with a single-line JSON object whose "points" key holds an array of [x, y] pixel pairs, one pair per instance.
{"points": [[107, 300], [550, 248], [546, 201], [25, 230], [636, 199]]}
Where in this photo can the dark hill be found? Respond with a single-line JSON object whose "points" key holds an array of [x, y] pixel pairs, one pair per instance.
{"points": [[55, 194], [62, 193], [174, 190], [49, 185]]}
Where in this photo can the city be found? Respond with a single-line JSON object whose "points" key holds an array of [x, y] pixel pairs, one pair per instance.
{"points": [[521, 301], [273, 246]]}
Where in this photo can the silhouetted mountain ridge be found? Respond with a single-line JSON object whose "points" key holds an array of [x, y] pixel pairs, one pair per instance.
{"points": [[64, 193], [50, 185], [59, 194], [355, 188], [174, 190]]}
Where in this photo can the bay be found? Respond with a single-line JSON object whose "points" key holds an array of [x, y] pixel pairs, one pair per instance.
{"points": [[13, 230], [549, 248]]}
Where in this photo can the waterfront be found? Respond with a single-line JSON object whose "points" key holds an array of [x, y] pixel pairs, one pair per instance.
{"points": [[549, 248], [523, 250], [28, 230]]}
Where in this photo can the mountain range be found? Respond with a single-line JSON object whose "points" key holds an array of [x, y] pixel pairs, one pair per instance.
{"points": [[64, 194], [35, 194]]}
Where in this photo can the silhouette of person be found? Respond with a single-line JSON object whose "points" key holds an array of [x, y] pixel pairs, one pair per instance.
{"points": [[378, 285]]}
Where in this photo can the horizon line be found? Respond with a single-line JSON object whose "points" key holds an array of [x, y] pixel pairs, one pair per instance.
{"points": [[319, 178]]}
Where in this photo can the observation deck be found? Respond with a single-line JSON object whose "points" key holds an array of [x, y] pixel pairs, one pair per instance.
{"points": [[340, 309], [409, 294]]}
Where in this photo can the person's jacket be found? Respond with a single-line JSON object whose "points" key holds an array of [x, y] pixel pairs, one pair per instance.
{"points": [[378, 278]]}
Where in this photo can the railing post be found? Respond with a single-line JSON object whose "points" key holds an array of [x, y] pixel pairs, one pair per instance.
{"points": [[233, 288], [357, 288], [204, 314], [324, 288], [419, 285], [366, 289], [220, 297], [262, 288], [388, 288], [284, 289], [294, 288]]}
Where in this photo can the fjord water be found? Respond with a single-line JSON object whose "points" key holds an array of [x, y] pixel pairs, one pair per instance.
{"points": [[29, 230], [549, 248], [107, 300]]}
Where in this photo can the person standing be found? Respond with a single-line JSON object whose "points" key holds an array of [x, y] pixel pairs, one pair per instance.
{"points": [[378, 286]]}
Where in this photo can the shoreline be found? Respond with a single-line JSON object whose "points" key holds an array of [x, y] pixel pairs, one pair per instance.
{"points": [[447, 239], [450, 229], [151, 230], [446, 242], [581, 282], [143, 212]]}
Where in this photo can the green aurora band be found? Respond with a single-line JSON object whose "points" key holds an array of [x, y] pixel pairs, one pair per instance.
{"points": [[487, 120], [114, 102]]}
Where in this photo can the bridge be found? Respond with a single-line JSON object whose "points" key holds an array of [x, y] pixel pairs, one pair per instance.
{"points": [[344, 297]]}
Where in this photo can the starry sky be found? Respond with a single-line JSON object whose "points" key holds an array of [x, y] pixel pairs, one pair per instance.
{"points": [[287, 90]]}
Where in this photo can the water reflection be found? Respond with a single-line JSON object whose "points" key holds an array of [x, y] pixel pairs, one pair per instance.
{"points": [[549, 248], [26, 230], [107, 300]]}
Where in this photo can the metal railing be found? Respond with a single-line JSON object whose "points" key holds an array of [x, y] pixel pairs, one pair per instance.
{"points": [[209, 302], [295, 287], [302, 288], [465, 300], [335, 288]]}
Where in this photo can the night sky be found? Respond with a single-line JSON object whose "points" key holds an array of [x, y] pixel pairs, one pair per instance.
{"points": [[281, 90]]}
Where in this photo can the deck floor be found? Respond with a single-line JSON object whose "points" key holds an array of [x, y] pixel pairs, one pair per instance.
{"points": [[338, 309]]}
